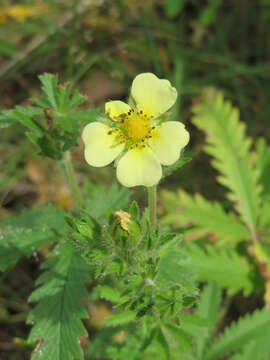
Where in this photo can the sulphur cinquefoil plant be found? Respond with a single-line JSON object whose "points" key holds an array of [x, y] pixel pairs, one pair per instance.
{"points": [[106, 243], [109, 252]]}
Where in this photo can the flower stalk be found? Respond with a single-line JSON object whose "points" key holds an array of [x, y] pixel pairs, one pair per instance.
{"points": [[152, 205], [72, 181]]}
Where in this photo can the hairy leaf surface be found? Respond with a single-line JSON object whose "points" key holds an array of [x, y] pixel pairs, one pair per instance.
{"points": [[28, 232], [57, 317]]}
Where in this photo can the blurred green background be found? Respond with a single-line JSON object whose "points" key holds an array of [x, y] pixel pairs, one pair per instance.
{"points": [[99, 46]]}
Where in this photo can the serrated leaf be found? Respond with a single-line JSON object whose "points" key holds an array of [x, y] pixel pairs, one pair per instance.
{"points": [[50, 89], [100, 201], [162, 342], [108, 293], [230, 148], [193, 325], [58, 97], [57, 318], [25, 116], [177, 337], [87, 116], [23, 234], [76, 100], [209, 219], [249, 328], [208, 309], [172, 266], [224, 266], [263, 164], [122, 318], [259, 350]]}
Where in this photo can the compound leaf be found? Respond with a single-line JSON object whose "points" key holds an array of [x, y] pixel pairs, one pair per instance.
{"points": [[57, 318], [230, 148], [224, 266], [208, 309], [23, 234], [252, 327], [207, 218]]}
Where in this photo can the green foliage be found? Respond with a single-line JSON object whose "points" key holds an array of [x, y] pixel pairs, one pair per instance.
{"points": [[214, 55], [244, 172], [209, 14], [224, 266], [28, 232], [208, 309], [258, 349], [57, 318], [239, 334], [209, 219], [244, 339], [168, 170], [53, 123], [174, 7], [125, 317], [23, 115], [230, 149], [101, 202], [263, 163], [155, 283], [173, 266], [5, 120], [107, 293]]}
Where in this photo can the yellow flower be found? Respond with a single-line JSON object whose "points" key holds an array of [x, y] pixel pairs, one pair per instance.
{"points": [[136, 136], [21, 12]]}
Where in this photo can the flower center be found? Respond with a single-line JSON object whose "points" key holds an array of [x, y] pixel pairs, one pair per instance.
{"points": [[136, 128]]}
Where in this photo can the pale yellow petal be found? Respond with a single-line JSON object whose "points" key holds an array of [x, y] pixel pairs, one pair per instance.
{"points": [[100, 146], [116, 108], [152, 95], [139, 167], [168, 140]]}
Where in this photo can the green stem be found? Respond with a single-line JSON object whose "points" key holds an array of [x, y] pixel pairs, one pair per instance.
{"points": [[152, 205], [72, 181]]}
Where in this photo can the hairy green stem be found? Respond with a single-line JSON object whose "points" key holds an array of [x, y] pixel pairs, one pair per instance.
{"points": [[72, 181], [152, 205]]}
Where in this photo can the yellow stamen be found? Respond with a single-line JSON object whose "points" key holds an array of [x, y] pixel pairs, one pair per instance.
{"points": [[136, 128]]}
